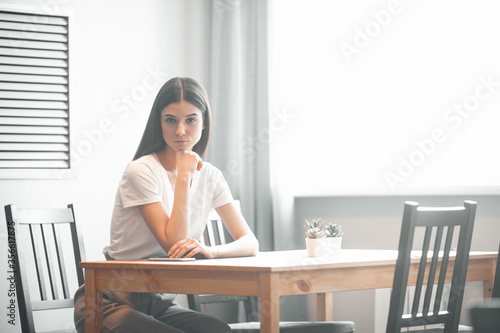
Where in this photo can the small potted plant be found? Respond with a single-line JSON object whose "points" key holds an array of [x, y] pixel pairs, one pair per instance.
{"points": [[333, 238], [314, 237]]}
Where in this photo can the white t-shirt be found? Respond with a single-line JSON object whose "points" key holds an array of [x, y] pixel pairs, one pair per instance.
{"points": [[145, 181]]}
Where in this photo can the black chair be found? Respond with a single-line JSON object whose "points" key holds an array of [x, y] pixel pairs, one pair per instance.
{"points": [[215, 234], [48, 249], [441, 229], [485, 313]]}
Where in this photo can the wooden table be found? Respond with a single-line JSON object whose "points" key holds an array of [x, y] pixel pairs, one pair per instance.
{"points": [[269, 275]]}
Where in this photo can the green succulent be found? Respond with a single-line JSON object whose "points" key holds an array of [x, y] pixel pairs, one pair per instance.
{"points": [[314, 229], [333, 230]]}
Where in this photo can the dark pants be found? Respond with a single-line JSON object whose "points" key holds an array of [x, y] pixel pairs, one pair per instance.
{"points": [[145, 312]]}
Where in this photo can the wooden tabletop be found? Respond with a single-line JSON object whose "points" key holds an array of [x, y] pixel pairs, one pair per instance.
{"points": [[268, 275], [274, 261]]}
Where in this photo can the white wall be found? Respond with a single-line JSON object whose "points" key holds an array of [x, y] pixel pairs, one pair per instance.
{"points": [[122, 52]]}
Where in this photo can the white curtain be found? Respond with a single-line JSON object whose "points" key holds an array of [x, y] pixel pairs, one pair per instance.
{"points": [[239, 97]]}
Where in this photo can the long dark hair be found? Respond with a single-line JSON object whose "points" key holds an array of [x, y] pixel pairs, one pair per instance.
{"points": [[173, 91]]}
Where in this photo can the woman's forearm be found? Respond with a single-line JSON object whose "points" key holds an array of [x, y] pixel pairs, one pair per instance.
{"points": [[177, 226], [247, 245]]}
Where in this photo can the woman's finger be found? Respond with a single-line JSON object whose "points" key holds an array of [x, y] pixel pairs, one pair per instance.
{"points": [[193, 252], [175, 247], [183, 247], [200, 164]]}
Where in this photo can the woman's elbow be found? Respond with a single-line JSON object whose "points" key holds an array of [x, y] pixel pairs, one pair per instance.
{"points": [[255, 247]]}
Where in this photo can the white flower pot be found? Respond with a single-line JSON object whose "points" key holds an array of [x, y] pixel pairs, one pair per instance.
{"points": [[332, 245], [315, 247]]}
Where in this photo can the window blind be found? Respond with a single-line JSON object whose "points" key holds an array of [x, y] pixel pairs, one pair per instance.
{"points": [[34, 91]]}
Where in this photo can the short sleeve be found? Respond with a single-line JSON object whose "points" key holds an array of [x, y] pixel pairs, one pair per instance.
{"points": [[139, 185], [222, 194]]}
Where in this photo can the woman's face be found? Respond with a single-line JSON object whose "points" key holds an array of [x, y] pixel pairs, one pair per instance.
{"points": [[181, 124]]}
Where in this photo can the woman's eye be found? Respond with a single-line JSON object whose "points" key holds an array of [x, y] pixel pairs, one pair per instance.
{"points": [[191, 120], [170, 120]]}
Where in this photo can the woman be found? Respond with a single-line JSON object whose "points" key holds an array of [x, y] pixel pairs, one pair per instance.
{"points": [[161, 208]]}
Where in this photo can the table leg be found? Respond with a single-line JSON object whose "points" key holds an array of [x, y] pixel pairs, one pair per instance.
{"points": [[269, 304], [324, 307], [487, 288], [93, 304], [488, 284]]}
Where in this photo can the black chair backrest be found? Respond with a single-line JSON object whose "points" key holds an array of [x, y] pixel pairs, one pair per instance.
{"points": [[41, 245], [430, 305], [215, 232]]}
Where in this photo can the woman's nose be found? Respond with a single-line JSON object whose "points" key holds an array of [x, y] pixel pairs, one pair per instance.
{"points": [[180, 129]]}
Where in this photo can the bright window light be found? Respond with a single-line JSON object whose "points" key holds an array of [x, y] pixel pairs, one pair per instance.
{"points": [[386, 97]]}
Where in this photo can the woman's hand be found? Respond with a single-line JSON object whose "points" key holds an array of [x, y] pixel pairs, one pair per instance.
{"points": [[188, 162], [189, 247]]}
